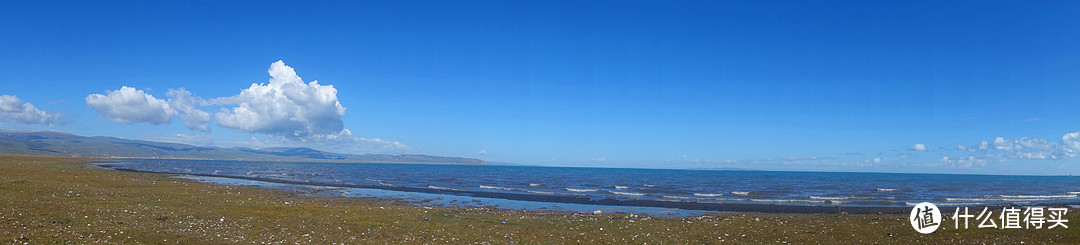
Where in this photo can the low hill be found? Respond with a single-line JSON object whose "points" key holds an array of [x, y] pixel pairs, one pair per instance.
{"points": [[56, 143]]}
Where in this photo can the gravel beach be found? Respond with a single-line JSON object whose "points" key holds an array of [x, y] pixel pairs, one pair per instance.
{"points": [[64, 200]]}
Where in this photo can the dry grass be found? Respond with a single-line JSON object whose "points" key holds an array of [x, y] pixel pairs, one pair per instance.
{"points": [[47, 200]]}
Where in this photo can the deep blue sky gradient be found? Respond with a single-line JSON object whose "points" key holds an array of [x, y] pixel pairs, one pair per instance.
{"points": [[595, 83]]}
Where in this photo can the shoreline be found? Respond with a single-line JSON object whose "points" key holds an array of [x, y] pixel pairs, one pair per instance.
{"points": [[694, 206], [629, 202], [66, 200]]}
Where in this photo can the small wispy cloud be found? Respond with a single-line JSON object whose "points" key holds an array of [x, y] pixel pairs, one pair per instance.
{"points": [[1009, 149], [345, 143], [963, 162], [793, 160], [1029, 148], [482, 152], [687, 159], [197, 140], [984, 153]]}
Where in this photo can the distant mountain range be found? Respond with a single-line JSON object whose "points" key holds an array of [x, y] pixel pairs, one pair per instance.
{"points": [[56, 143]]}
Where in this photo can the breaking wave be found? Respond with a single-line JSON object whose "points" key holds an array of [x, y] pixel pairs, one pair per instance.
{"points": [[496, 187], [787, 200], [708, 194], [626, 193], [1039, 197], [441, 188]]}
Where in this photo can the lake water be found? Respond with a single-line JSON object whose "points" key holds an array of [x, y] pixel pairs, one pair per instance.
{"points": [[682, 189]]}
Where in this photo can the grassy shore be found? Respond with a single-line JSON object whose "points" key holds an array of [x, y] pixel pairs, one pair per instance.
{"points": [[45, 200]]}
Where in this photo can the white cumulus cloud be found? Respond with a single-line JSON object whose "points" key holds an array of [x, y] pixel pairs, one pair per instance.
{"points": [[13, 108], [184, 101], [286, 109], [130, 105], [286, 106], [918, 147]]}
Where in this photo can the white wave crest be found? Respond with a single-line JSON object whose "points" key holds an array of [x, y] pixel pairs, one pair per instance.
{"points": [[495, 187], [708, 194], [787, 200], [1010, 198], [741, 193], [439, 188], [955, 204], [545, 192], [626, 193], [1038, 197], [886, 189], [956, 199], [621, 187], [702, 198], [581, 190], [536, 185], [830, 198]]}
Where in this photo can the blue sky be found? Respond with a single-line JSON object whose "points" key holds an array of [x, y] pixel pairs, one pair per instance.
{"points": [[776, 85]]}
